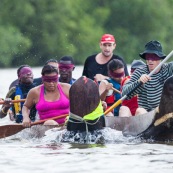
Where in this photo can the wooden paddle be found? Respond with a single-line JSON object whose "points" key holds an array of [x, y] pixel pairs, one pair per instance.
{"points": [[13, 101], [9, 130], [129, 93], [116, 90]]}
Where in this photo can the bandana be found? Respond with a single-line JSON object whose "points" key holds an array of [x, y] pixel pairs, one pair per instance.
{"points": [[66, 66], [152, 57], [24, 71], [116, 75], [50, 78]]}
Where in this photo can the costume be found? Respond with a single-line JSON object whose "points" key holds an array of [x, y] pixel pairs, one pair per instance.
{"points": [[149, 93], [47, 109], [91, 67]]}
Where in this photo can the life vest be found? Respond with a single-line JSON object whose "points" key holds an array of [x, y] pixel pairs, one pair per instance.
{"points": [[124, 79], [112, 97], [18, 106]]}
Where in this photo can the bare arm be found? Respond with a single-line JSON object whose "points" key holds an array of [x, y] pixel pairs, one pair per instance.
{"points": [[100, 77], [31, 100], [7, 102], [65, 88], [104, 88]]}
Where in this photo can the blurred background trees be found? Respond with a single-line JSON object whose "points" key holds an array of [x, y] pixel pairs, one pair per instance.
{"points": [[33, 31]]}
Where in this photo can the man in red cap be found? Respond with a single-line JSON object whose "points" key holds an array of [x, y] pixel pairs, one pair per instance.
{"points": [[95, 66]]}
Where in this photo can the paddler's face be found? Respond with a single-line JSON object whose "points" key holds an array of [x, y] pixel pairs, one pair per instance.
{"points": [[26, 75], [65, 71], [118, 74], [107, 48], [50, 83], [152, 60]]}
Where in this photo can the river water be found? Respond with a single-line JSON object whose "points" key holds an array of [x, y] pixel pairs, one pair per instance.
{"points": [[24, 154]]}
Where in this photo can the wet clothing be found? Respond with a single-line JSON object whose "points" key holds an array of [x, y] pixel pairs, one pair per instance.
{"points": [[21, 90], [47, 109], [149, 94], [91, 67]]}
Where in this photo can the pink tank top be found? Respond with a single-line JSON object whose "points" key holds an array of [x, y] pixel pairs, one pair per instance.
{"points": [[47, 109]]}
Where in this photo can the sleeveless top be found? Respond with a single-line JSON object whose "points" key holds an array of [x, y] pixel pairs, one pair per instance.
{"points": [[50, 109]]}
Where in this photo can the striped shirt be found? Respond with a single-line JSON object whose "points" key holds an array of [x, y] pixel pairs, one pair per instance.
{"points": [[149, 94]]}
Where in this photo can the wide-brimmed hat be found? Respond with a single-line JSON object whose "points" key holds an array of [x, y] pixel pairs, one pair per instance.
{"points": [[153, 47]]}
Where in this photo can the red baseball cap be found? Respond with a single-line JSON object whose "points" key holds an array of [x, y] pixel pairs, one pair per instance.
{"points": [[107, 38]]}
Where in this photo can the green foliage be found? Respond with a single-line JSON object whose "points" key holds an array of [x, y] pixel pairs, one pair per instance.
{"points": [[12, 43], [33, 31]]}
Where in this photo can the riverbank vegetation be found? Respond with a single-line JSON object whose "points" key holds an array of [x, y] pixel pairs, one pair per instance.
{"points": [[33, 31]]}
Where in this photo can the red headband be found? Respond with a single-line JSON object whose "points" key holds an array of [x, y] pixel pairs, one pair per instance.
{"points": [[116, 75], [50, 78], [24, 71], [66, 66]]}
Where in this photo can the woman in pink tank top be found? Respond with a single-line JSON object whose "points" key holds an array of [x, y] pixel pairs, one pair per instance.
{"points": [[51, 98]]}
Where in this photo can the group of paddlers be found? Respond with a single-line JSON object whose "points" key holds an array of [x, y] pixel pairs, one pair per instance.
{"points": [[104, 81]]}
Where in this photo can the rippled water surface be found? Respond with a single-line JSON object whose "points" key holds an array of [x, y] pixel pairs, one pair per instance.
{"points": [[22, 153]]}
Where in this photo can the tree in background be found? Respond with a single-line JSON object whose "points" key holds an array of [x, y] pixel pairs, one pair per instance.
{"points": [[33, 31]]}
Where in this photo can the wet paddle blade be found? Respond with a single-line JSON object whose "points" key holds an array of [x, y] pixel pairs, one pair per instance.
{"points": [[9, 130]]}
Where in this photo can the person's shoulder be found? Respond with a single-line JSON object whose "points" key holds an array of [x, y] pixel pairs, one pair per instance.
{"points": [[15, 82], [37, 81], [117, 57], [64, 85], [91, 56], [11, 92], [35, 89], [169, 64], [143, 70]]}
